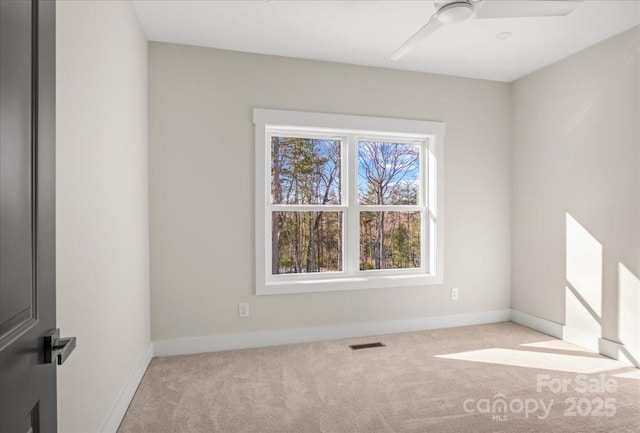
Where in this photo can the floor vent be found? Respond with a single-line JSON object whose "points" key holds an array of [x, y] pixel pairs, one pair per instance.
{"points": [[366, 346]]}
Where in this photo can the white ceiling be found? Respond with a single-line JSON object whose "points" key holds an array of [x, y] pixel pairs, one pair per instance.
{"points": [[367, 32]]}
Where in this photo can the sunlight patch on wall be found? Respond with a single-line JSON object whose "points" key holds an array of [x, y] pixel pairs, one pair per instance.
{"points": [[629, 310], [583, 292]]}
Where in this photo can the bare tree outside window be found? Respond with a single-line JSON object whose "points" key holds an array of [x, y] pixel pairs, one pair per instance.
{"points": [[389, 174]]}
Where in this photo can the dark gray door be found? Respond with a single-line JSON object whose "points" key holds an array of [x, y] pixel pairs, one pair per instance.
{"points": [[27, 212]]}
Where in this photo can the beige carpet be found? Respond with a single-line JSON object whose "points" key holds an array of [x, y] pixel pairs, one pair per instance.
{"points": [[471, 379]]}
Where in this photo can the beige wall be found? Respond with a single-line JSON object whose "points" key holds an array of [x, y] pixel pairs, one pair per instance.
{"points": [[202, 187], [102, 206], [576, 189]]}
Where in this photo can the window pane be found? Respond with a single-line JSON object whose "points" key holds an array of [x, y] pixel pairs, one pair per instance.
{"points": [[388, 173], [389, 240], [304, 242], [305, 170]]}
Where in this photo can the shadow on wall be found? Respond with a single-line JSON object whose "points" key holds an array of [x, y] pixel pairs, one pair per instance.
{"points": [[584, 293]]}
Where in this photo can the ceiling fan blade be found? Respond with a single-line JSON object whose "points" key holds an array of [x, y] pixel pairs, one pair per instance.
{"points": [[417, 37], [525, 8]]}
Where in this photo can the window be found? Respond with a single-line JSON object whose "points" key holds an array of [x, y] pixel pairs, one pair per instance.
{"points": [[346, 202]]}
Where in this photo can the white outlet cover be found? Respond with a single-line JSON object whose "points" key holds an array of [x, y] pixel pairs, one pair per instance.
{"points": [[243, 309]]}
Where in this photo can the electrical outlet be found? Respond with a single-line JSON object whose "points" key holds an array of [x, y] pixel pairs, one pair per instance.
{"points": [[243, 309], [454, 294]]}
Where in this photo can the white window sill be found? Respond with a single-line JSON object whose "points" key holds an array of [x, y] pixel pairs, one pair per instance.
{"points": [[347, 283]]}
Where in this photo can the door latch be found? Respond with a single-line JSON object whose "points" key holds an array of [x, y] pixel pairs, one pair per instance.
{"points": [[56, 347]]}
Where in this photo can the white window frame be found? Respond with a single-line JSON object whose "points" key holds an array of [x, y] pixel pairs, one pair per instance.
{"points": [[349, 129]]}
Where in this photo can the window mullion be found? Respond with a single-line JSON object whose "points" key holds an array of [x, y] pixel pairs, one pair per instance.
{"points": [[352, 231]]}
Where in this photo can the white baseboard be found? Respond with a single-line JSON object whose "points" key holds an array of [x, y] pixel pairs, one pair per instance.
{"points": [[618, 351], [545, 326], [590, 341], [610, 348], [116, 415], [245, 340]]}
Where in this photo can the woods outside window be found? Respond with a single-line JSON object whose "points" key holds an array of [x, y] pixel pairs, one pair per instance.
{"points": [[346, 202]]}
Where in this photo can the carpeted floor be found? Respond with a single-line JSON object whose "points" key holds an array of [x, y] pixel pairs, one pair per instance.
{"points": [[500, 377]]}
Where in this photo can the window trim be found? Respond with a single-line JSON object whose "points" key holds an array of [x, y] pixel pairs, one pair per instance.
{"points": [[341, 126]]}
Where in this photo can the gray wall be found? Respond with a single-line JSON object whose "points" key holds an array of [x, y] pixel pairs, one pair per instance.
{"points": [[576, 190], [202, 187], [102, 206]]}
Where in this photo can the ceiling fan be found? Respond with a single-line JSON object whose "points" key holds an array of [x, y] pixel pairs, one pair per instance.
{"points": [[455, 11]]}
